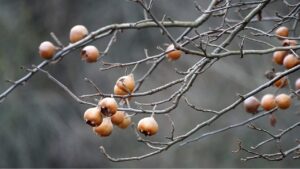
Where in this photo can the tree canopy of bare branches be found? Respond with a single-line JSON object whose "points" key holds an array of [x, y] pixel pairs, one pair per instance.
{"points": [[223, 29]]}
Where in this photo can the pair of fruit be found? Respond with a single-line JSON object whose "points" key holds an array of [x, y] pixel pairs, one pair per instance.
{"points": [[268, 102], [89, 53], [283, 57]]}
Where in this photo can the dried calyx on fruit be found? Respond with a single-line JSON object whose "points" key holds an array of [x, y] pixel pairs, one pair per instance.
{"points": [[93, 117], [172, 53], [77, 33], [289, 42], [148, 126], [108, 106], [251, 105], [90, 54], [105, 129], [47, 50], [124, 85]]}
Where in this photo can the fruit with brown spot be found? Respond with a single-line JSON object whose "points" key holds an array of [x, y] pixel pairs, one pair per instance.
{"points": [[90, 54], [148, 126], [108, 106], [93, 117]]}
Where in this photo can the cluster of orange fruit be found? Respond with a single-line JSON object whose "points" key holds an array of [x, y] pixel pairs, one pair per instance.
{"points": [[106, 114], [102, 117], [282, 101], [288, 60], [89, 53]]}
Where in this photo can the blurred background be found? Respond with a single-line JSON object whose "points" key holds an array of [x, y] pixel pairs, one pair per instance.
{"points": [[42, 126]]}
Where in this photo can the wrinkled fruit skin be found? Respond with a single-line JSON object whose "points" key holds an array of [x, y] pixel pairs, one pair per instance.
{"points": [[251, 105], [172, 53], [47, 50], [77, 33], [148, 126], [93, 117], [108, 106], [268, 102], [90, 54], [283, 101], [105, 129]]}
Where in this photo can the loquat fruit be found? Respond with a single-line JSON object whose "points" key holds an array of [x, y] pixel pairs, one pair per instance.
{"points": [[278, 56], [126, 122], [283, 101], [90, 54], [282, 31], [290, 61], [47, 50], [108, 106], [77, 33], [105, 128], [124, 85], [172, 53], [93, 117], [118, 117], [148, 126], [251, 104], [268, 102]]}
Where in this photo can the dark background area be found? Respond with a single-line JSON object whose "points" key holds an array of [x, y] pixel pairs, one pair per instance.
{"points": [[42, 126]]}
